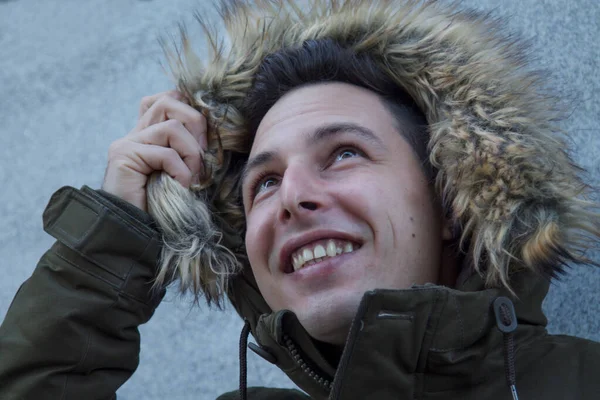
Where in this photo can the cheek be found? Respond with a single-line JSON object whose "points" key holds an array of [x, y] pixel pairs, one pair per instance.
{"points": [[255, 241], [259, 239], [259, 235], [370, 195], [392, 204]]}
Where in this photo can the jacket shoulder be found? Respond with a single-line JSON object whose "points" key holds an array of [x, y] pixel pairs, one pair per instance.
{"points": [[560, 366]]}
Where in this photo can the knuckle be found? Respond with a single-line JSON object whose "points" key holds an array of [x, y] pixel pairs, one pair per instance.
{"points": [[175, 94], [163, 101], [198, 118], [146, 101], [157, 101], [119, 151], [115, 147], [118, 164], [171, 153], [174, 125]]}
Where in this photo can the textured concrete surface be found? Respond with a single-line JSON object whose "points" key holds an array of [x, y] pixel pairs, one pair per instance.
{"points": [[71, 77]]}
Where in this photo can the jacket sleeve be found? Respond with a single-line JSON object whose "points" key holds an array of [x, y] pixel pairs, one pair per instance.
{"points": [[71, 331]]}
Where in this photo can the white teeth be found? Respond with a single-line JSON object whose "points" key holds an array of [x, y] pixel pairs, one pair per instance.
{"points": [[319, 251], [331, 248], [307, 255], [297, 262]]}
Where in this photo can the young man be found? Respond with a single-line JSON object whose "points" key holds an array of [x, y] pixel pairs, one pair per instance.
{"points": [[378, 189]]}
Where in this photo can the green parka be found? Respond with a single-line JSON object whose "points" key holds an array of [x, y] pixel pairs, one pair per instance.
{"points": [[72, 329]]}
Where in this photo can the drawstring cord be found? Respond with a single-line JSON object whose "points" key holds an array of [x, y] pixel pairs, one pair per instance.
{"points": [[243, 363], [506, 320]]}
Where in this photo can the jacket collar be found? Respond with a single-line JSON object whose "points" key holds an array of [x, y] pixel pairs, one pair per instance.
{"points": [[399, 337]]}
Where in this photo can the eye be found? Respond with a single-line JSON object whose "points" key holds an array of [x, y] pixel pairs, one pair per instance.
{"points": [[266, 183], [263, 182], [347, 153]]}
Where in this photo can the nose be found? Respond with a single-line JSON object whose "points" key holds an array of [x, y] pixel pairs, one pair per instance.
{"points": [[299, 192]]}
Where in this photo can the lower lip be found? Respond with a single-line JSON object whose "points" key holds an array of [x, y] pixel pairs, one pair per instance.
{"points": [[322, 268]]}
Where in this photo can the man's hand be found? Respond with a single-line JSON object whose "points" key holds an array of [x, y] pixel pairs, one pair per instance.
{"points": [[170, 136]]}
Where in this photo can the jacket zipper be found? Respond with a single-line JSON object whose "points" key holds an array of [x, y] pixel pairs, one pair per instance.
{"points": [[355, 328], [294, 351]]}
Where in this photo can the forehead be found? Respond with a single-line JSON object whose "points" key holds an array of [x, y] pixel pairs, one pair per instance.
{"points": [[302, 110]]}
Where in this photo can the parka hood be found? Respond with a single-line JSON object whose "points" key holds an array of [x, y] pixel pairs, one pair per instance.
{"points": [[501, 162], [502, 167]]}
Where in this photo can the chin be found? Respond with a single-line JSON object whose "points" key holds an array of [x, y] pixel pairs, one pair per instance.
{"points": [[329, 319]]}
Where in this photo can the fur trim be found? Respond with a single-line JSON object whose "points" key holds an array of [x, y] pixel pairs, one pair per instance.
{"points": [[514, 193]]}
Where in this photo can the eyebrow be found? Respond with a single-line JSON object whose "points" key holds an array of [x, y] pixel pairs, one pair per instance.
{"points": [[327, 131], [315, 137]]}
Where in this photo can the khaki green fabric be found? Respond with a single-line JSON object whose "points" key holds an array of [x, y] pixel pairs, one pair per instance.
{"points": [[72, 329]]}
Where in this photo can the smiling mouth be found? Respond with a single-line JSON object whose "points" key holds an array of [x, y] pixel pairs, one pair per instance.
{"points": [[318, 251]]}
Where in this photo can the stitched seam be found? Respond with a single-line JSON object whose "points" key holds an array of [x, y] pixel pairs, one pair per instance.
{"points": [[118, 287], [87, 271], [421, 375], [437, 350], [99, 198], [128, 276], [460, 322], [483, 325], [130, 266], [64, 392], [111, 212], [85, 353], [65, 233], [77, 366], [72, 238], [486, 315]]}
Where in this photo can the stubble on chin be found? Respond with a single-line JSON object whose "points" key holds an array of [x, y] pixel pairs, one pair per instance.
{"points": [[329, 321]]}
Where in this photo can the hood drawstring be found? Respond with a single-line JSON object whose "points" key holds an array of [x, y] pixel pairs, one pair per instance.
{"points": [[506, 320], [244, 345], [243, 363]]}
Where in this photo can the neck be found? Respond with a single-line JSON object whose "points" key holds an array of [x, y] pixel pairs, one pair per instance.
{"points": [[331, 352]]}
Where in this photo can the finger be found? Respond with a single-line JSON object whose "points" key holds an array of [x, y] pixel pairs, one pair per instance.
{"points": [[148, 101], [146, 158], [167, 108], [173, 134]]}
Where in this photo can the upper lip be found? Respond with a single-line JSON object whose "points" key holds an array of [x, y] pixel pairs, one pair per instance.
{"points": [[296, 242]]}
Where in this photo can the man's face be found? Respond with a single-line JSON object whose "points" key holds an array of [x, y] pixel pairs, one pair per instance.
{"points": [[331, 179]]}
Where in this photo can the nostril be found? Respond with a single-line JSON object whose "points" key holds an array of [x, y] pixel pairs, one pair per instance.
{"points": [[309, 205]]}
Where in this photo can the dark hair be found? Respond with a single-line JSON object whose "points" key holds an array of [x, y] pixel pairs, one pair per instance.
{"points": [[325, 60]]}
